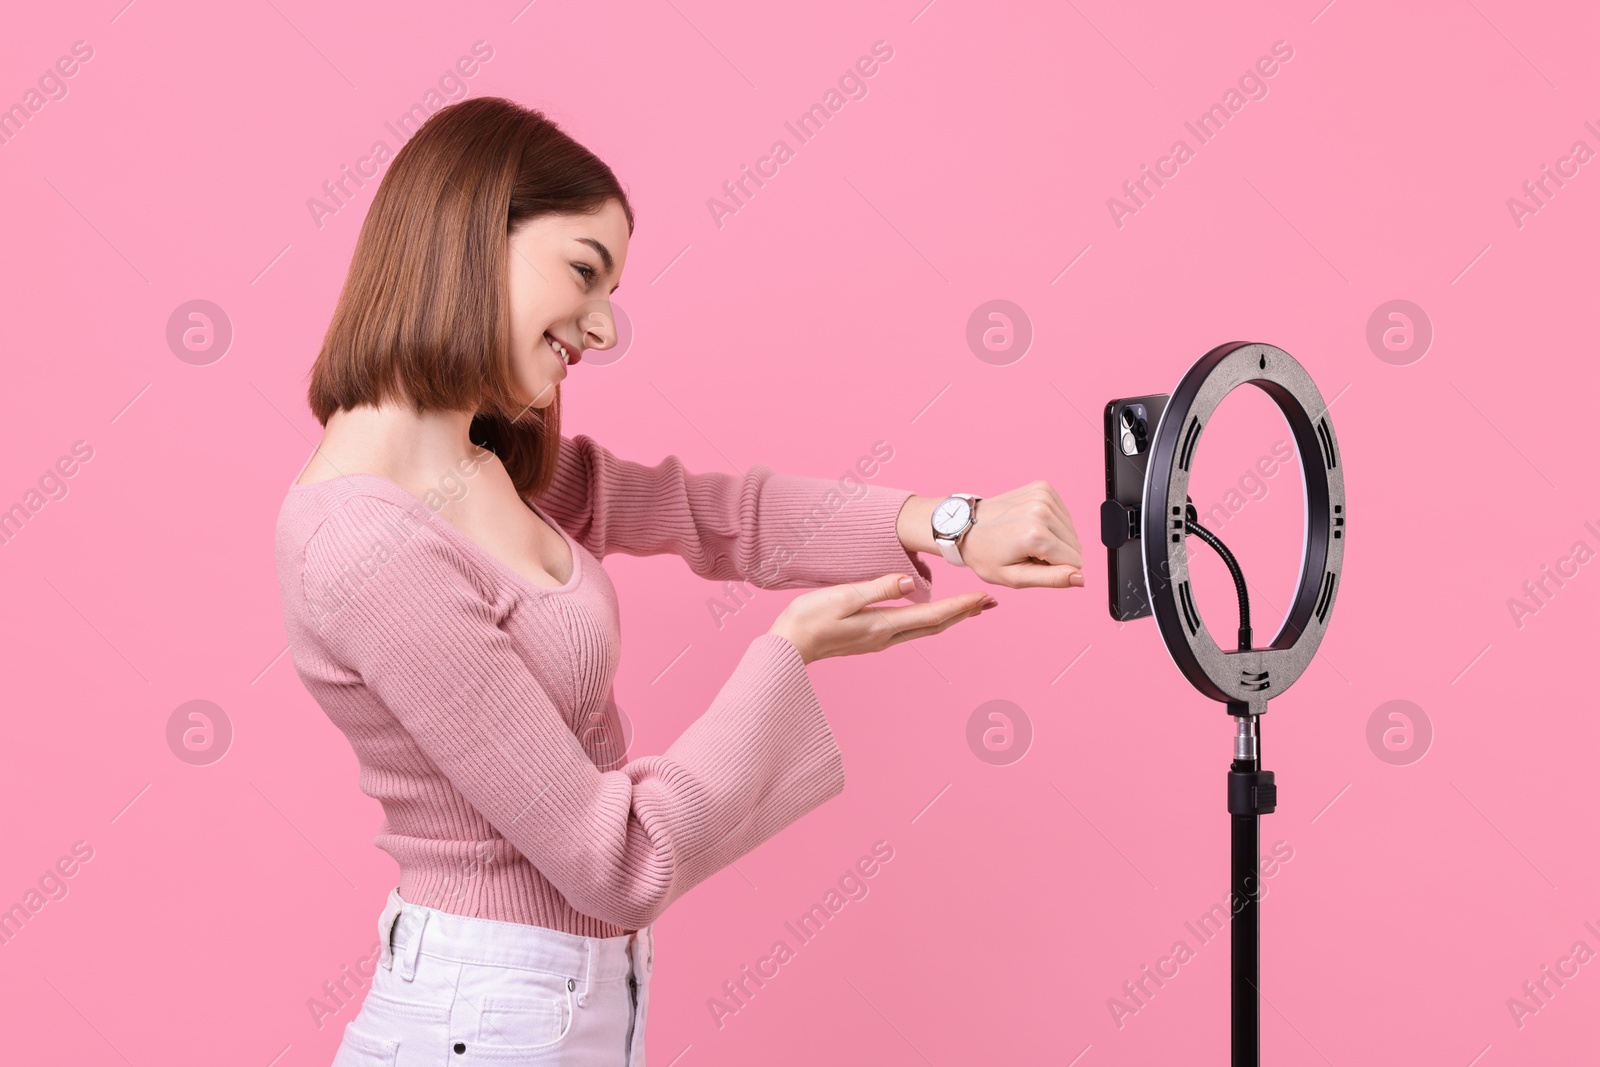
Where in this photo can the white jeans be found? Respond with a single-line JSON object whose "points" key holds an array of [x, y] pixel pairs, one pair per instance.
{"points": [[453, 991]]}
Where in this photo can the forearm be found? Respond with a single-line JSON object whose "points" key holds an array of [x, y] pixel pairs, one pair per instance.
{"points": [[915, 524]]}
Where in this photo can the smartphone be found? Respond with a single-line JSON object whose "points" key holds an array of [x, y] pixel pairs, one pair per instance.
{"points": [[1130, 426]]}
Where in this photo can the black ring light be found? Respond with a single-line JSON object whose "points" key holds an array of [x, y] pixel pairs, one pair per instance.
{"points": [[1246, 677], [1242, 677]]}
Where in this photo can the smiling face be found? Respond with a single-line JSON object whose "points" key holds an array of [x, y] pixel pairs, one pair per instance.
{"points": [[561, 271]]}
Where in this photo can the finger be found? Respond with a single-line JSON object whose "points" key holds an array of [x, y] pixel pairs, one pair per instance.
{"points": [[1061, 546], [1043, 575], [1065, 547], [1061, 505], [919, 615], [929, 614], [884, 588], [1064, 517], [1058, 507], [1063, 521], [928, 631]]}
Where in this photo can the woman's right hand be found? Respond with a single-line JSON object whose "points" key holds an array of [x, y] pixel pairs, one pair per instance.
{"points": [[838, 621]]}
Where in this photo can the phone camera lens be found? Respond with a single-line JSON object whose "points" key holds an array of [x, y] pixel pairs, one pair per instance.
{"points": [[1135, 432]]}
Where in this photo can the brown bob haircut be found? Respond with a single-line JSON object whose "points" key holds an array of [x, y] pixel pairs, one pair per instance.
{"points": [[425, 314]]}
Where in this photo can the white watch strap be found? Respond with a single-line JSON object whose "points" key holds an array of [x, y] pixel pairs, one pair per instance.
{"points": [[950, 548]]}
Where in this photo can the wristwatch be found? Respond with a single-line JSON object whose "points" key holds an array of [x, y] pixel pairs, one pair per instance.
{"points": [[952, 518]]}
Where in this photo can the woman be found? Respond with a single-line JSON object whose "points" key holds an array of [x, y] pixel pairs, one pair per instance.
{"points": [[438, 560]]}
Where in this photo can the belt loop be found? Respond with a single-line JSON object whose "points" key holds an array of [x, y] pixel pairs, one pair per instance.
{"points": [[408, 961], [588, 970], [387, 920]]}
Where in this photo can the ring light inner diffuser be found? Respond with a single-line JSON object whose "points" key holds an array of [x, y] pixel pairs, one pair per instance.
{"points": [[1243, 679]]}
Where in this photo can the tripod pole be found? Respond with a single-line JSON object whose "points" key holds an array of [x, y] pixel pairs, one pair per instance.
{"points": [[1252, 793]]}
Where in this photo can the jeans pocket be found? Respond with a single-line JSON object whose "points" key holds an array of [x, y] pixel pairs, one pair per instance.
{"points": [[527, 1010], [389, 1014], [360, 1049]]}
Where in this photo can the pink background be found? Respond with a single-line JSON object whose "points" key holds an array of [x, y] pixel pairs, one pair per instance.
{"points": [[827, 314]]}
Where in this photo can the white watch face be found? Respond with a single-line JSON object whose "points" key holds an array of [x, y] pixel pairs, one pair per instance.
{"points": [[951, 516]]}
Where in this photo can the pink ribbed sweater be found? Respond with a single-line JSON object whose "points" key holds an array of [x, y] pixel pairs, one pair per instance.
{"points": [[480, 703]]}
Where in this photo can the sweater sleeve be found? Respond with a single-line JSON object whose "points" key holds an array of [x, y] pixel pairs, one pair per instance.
{"points": [[620, 845], [773, 530]]}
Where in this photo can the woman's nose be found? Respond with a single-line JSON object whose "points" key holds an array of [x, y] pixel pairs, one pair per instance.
{"points": [[598, 329]]}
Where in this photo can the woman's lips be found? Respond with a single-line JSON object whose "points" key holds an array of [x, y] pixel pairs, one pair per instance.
{"points": [[574, 354]]}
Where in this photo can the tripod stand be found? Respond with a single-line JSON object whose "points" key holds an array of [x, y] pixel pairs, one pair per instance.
{"points": [[1159, 515], [1252, 793]]}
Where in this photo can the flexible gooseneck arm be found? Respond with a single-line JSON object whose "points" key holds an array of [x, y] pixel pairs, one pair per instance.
{"points": [[1191, 526]]}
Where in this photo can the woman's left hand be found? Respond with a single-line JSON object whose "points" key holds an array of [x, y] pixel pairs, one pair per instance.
{"points": [[1023, 538]]}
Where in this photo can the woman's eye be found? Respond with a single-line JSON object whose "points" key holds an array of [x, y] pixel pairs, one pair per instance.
{"points": [[587, 271]]}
